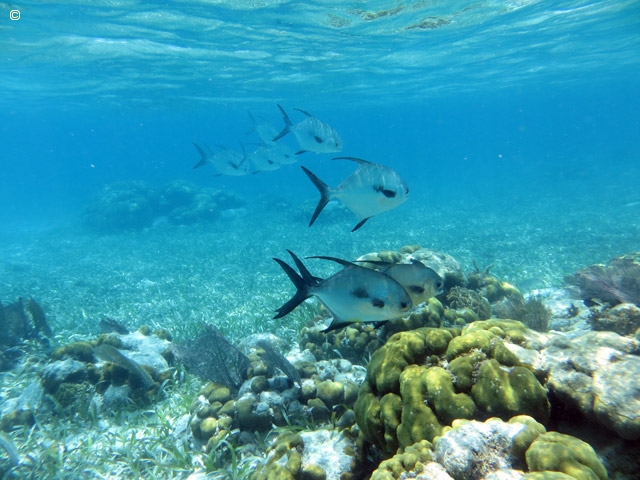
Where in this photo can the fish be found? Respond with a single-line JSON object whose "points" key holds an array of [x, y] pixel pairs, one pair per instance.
{"points": [[265, 131], [370, 190], [226, 162], [312, 134], [354, 294], [420, 282], [271, 157], [109, 353]]}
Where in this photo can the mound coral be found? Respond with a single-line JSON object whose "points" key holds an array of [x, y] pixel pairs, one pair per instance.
{"points": [[422, 380]]}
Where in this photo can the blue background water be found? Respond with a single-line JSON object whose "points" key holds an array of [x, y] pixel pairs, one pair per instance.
{"points": [[496, 107]]}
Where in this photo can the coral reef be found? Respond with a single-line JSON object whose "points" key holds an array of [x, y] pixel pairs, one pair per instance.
{"points": [[422, 380], [531, 311], [132, 205], [495, 449], [460, 298], [623, 319]]}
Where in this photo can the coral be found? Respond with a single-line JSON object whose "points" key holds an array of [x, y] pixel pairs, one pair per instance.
{"points": [[556, 452], [122, 206], [471, 450], [38, 317], [460, 298], [355, 342], [421, 381], [312, 455], [81, 351], [623, 319], [616, 282], [412, 460], [14, 323], [135, 205], [532, 312], [210, 355]]}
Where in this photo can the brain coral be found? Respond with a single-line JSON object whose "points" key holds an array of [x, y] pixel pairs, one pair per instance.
{"points": [[422, 380]]}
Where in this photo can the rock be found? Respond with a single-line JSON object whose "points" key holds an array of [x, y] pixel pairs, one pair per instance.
{"points": [[471, 450], [116, 397], [617, 396], [61, 371], [592, 374]]}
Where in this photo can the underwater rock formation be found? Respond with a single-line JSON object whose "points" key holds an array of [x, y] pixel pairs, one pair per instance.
{"points": [[597, 374], [132, 205], [122, 206]]}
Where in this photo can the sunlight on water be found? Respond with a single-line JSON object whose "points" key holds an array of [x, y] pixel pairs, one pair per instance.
{"points": [[414, 50]]}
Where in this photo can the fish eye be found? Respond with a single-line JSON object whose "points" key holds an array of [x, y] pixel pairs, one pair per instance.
{"points": [[404, 305], [439, 285]]}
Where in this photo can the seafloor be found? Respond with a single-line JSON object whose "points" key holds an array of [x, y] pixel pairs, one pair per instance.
{"points": [[174, 277]]}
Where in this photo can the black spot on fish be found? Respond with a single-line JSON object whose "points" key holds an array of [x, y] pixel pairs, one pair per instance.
{"points": [[376, 302], [318, 139], [417, 289], [360, 292], [386, 192]]}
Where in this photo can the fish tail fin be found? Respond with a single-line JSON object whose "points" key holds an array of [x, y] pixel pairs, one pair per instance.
{"points": [[253, 124], [204, 159], [302, 283], [325, 193], [287, 125]]}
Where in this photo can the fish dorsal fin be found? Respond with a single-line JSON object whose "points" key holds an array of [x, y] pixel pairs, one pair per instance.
{"points": [[344, 263], [302, 111], [306, 275], [354, 159]]}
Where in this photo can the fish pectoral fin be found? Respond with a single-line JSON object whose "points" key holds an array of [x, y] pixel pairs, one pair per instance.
{"points": [[360, 223], [300, 152], [318, 139]]}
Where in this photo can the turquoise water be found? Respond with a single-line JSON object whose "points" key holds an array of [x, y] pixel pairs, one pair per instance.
{"points": [[514, 123]]}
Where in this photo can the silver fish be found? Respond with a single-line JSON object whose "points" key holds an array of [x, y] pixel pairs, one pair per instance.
{"points": [[370, 190], [265, 131], [420, 281], [312, 134], [271, 157], [226, 162], [354, 294]]}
